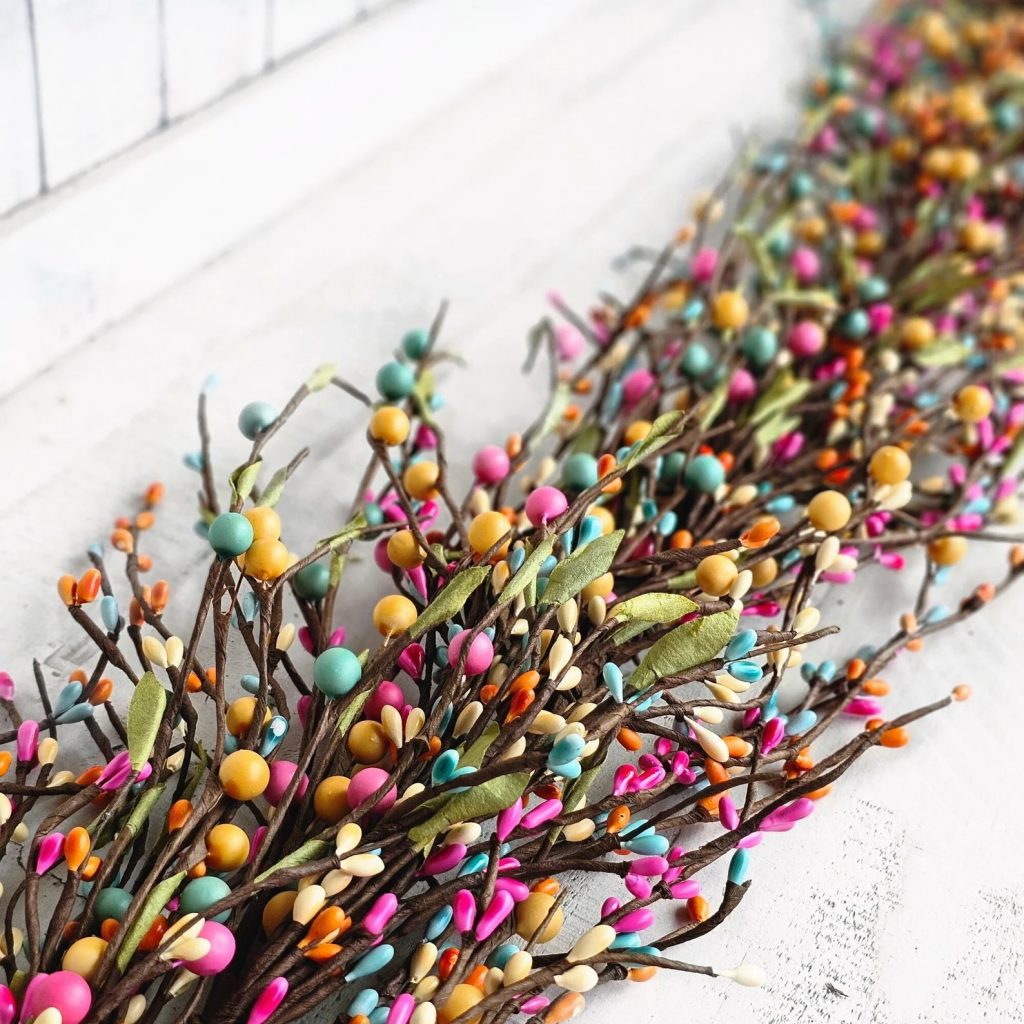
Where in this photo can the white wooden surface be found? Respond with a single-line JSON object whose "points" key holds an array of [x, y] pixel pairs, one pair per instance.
{"points": [[504, 150]]}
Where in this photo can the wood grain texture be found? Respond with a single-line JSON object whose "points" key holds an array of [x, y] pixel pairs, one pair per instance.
{"points": [[522, 158]]}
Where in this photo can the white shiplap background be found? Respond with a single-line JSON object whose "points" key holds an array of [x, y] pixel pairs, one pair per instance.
{"points": [[484, 152]]}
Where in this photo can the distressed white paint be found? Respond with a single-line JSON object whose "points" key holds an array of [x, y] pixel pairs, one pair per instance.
{"points": [[98, 77], [300, 23], [211, 47], [572, 131], [19, 142]]}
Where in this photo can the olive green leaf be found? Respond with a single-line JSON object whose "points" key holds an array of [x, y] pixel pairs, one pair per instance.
{"points": [[475, 802], [243, 479], [148, 913], [691, 644], [664, 429], [583, 566], [527, 572], [312, 849], [450, 599], [145, 713], [652, 608]]}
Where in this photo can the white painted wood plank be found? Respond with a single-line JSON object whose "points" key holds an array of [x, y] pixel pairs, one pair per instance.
{"points": [[99, 79], [211, 46], [300, 23], [86, 258], [19, 141]]}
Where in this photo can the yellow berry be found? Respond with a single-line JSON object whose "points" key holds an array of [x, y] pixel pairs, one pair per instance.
{"points": [[531, 913], [267, 559], [227, 847], [977, 238], [266, 523], [829, 511], [601, 587], [404, 550], [393, 614], [367, 742], [716, 574], [390, 425], [917, 332], [240, 713], [278, 910], [84, 955], [486, 530], [973, 403], [947, 550], [890, 465], [464, 997], [420, 480], [764, 572], [964, 164], [637, 431], [729, 311], [244, 775], [330, 799]]}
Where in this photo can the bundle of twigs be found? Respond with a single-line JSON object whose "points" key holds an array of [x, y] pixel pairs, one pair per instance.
{"points": [[581, 659]]}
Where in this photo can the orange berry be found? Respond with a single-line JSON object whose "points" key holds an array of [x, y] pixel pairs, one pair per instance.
{"points": [[898, 737]]}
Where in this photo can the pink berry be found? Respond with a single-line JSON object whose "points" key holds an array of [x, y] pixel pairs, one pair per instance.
{"points": [[222, 950], [545, 504], [386, 693], [365, 783], [806, 338], [481, 652], [491, 464], [569, 342], [281, 775]]}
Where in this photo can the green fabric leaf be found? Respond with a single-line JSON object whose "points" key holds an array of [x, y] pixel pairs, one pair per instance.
{"points": [[272, 495], [145, 713], [631, 629], [321, 377], [664, 429], [685, 581], [352, 529], [148, 913], [583, 566], [587, 440], [945, 352], [777, 426], [475, 802], [715, 403], [555, 411], [348, 716], [652, 608], [141, 811], [452, 596], [815, 298], [687, 646], [475, 755], [785, 391], [243, 479], [527, 571], [312, 849]]}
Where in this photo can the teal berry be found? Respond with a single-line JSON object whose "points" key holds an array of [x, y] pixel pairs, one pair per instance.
{"points": [[697, 360], [395, 381], [841, 79], [579, 471], [1006, 116], [671, 467], [873, 289], [336, 671], [760, 346], [230, 534], [414, 344], [801, 185], [313, 582], [255, 418], [854, 325], [112, 902], [202, 893], [705, 473]]}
